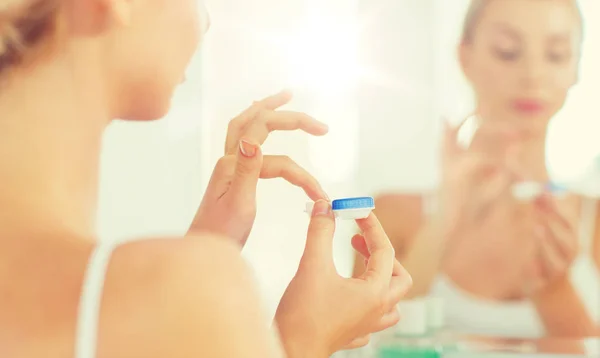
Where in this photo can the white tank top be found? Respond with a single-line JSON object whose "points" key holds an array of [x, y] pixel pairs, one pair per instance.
{"points": [[468, 314], [91, 298]]}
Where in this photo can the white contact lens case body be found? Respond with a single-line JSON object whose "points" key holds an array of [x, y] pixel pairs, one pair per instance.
{"points": [[531, 190]]}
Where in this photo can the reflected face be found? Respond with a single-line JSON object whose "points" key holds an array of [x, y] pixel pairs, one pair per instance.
{"points": [[523, 58]]}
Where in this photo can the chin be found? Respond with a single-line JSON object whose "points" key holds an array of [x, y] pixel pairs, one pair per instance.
{"points": [[147, 108]]}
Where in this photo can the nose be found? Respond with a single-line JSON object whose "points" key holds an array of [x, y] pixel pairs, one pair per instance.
{"points": [[533, 72]]}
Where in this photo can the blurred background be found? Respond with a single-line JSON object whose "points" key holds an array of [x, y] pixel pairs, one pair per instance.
{"points": [[381, 73]]}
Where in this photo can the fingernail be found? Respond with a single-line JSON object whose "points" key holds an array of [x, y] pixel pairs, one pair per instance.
{"points": [[247, 149], [321, 208], [323, 125]]}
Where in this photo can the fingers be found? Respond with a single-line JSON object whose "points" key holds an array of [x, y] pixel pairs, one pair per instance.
{"points": [[319, 241], [359, 244], [243, 170], [277, 100], [553, 262], [564, 238], [358, 342], [265, 122], [388, 320], [234, 132], [382, 256], [286, 168], [399, 286], [221, 176], [557, 239], [246, 174], [557, 249], [471, 169], [550, 210]]}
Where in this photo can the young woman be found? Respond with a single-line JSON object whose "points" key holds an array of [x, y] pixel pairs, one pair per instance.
{"points": [[67, 68], [506, 267]]}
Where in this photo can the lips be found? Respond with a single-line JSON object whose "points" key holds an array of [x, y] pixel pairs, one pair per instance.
{"points": [[528, 106]]}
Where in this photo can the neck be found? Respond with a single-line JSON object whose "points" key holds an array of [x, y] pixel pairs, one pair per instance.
{"points": [[51, 125], [530, 158]]}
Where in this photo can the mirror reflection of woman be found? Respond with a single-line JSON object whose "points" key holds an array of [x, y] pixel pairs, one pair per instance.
{"points": [[506, 267]]}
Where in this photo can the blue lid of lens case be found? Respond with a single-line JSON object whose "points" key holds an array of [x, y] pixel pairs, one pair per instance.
{"points": [[349, 208]]}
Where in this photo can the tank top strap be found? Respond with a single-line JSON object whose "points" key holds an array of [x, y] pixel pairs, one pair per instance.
{"points": [[88, 316]]}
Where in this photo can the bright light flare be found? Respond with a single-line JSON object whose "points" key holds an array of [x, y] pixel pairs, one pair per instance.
{"points": [[323, 56]]}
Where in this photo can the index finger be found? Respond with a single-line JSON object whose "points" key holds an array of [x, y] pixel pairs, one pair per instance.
{"points": [[271, 102], [381, 263], [240, 121]]}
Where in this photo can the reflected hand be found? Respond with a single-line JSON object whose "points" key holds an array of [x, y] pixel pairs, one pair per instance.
{"points": [[229, 204], [483, 248], [474, 181], [557, 242], [322, 312]]}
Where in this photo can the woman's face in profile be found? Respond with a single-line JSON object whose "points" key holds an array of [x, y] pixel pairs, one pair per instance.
{"points": [[523, 58], [152, 52]]}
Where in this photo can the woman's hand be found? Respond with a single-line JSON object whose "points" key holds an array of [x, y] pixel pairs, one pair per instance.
{"points": [[229, 204], [557, 242], [322, 312], [474, 179], [484, 229]]}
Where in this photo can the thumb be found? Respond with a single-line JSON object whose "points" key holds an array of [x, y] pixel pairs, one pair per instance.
{"points": [[247, 172], [319, 241]]}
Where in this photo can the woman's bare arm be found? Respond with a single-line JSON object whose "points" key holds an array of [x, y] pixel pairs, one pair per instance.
{"points": [[562, 311]]}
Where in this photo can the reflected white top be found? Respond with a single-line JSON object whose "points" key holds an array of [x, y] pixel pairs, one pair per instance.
{"points": [[468, 314]]}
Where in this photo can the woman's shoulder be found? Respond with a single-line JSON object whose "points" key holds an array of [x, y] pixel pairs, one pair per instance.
{"points": [[175, 297]]}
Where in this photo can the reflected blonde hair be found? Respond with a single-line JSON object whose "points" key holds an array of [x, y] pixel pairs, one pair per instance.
{"points": [[25, 25], [475, 11]]}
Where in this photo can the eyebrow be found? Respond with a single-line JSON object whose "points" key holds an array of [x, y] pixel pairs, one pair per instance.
{"points": [[560, 39], [507, 30]]}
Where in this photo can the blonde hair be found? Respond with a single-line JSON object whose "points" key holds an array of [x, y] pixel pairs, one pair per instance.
{"points": [[476, 8], [24, 27]]}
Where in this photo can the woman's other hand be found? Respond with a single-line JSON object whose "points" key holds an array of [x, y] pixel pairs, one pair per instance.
{"points": [[322, 312], [229, 204], [557, 242], [484, 228]]}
